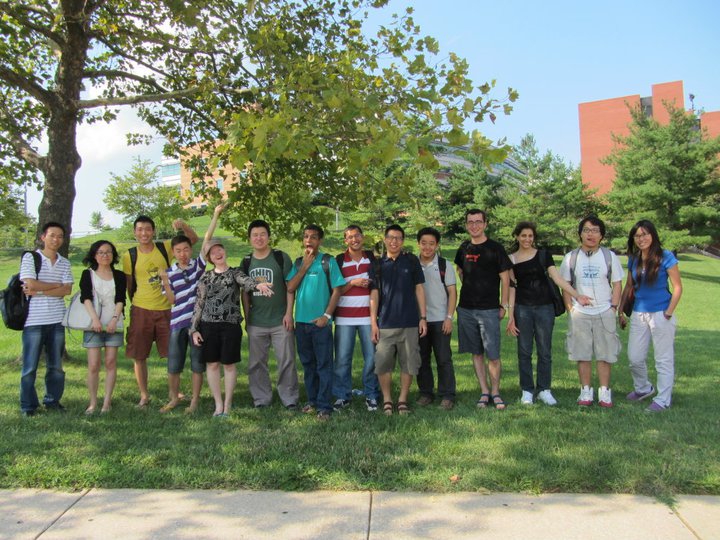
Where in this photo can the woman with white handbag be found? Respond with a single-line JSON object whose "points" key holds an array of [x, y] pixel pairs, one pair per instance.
{"points": [[102, 292]]}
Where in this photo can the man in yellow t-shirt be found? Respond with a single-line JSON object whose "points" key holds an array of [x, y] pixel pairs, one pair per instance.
{"points": [[150, 311]]}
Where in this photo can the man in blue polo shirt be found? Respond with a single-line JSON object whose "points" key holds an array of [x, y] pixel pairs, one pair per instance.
{"points": [[398, 318], [317, 282]]}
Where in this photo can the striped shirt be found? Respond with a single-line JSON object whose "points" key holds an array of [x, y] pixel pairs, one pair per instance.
{"points": [[184, 286], [46, 309], [353, 307]]}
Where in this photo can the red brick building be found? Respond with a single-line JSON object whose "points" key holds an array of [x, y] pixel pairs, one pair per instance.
{"points": [[599, 120]]}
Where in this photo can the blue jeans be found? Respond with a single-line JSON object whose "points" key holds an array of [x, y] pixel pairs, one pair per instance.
{"points": [[344, 349], [535, 322], [315, 349], [34, 339]]}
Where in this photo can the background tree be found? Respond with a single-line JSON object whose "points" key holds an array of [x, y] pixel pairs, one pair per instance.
{"points": [[16, 227], [97, 222], [550, 193], [302, 99], [669, 174], [139, 192]]}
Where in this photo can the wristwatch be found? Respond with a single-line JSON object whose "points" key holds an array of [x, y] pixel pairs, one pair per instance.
{"points": [[327, 316]]}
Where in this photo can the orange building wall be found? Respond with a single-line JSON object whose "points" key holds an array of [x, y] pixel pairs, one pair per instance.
{"points": [[671, 93], [711, 122], [599, 120]]}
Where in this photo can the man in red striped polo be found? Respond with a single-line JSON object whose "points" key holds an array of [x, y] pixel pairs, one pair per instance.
{"points": [[352, 317]]}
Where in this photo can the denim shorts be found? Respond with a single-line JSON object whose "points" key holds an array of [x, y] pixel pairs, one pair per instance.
{"points": [[479, 332], [178, 347], [94, 340]]}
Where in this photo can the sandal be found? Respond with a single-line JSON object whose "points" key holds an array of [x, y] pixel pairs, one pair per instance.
{"points": [[483, 402], [498, 402], [388, 408], [402, 408]]}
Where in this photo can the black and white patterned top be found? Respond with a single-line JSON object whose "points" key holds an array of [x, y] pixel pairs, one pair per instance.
{"points": [[218, 297]]}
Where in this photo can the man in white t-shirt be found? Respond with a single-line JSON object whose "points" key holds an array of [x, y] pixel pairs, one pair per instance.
{"points": [[596, 272], [43, 327]]}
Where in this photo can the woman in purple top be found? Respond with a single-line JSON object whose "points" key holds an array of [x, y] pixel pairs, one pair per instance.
{"points": [[649, 269]]}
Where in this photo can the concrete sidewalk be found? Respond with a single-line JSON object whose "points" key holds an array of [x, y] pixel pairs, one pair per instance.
{"points": [[276, 515]]}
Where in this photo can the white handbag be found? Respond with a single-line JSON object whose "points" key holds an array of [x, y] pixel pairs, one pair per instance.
{"points": [[77, 316]]}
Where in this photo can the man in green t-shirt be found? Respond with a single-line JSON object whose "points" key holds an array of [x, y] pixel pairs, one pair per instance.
{"points": [[269, 320], [150, 311]]}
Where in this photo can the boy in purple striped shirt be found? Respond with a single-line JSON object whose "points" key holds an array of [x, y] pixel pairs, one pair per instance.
{"points": [[180, 284]]}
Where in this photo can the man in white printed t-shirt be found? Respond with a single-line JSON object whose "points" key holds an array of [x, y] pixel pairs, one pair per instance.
{"points": [[596, 272], [43, 327]]}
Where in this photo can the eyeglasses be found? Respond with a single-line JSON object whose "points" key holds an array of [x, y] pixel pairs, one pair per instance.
{"points": [[394, 238], [475, 222], [353, 237], [595, 230], [186, 276], [639, 236]]}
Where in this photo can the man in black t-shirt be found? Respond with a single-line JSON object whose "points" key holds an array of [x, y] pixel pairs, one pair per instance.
{"points": [[483, 266]]}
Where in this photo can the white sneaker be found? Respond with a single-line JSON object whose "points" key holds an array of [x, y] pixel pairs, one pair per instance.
{"points": [[605, 397], [527, 398], [547, 398], [585, 399]]}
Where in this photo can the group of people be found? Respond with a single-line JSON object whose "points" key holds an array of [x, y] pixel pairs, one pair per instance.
{"points": [[400, 307]]}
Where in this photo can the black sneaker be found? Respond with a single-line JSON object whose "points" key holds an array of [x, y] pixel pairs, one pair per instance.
{"points": [[57, 407], [371, 404], [341, 404]]}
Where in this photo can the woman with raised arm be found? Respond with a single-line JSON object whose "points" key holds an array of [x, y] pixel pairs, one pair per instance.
{"points": [[650, 267], [216, 318]]}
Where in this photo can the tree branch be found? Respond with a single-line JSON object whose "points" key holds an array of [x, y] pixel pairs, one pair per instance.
{"points": [[118, 74], [35, 90], [146, 98], [22, 148]]}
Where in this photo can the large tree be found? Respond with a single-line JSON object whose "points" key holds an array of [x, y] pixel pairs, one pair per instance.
{"points": [[300, 96], [670, 174]]}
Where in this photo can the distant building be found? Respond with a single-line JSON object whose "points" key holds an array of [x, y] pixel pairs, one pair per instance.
{"points": [[600, 120]]}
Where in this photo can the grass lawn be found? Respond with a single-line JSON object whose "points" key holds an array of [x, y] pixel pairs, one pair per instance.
{"points": [[522, 449]]}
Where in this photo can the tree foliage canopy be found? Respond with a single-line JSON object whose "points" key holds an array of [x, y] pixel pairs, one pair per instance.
{"points": [[669, 174], [301, 98]]}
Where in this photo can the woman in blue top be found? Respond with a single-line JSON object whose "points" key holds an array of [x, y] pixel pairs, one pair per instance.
{"points": [[649, 268]]}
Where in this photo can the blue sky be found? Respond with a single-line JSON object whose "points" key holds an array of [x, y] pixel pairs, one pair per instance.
{"points": [[555, 53]]}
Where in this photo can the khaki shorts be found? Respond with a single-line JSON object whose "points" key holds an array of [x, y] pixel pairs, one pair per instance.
{"points": [[146, 326], [401, 342], [592, 336]]}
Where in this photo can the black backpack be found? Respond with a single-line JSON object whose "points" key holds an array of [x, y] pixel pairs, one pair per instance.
{"points": [[14, 305]]}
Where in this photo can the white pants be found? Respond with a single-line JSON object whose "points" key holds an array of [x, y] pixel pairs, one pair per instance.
{"points": [[643, 327]]}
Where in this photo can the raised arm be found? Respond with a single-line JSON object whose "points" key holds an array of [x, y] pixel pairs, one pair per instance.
{"points": [[187, 230], [213, 224]]}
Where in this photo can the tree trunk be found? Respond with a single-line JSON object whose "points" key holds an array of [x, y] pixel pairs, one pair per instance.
{"points": [[63, 160]]}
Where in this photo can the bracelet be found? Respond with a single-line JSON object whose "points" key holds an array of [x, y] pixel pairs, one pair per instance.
{"points": [[114, 317], [327, 316], [449, 317]]}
